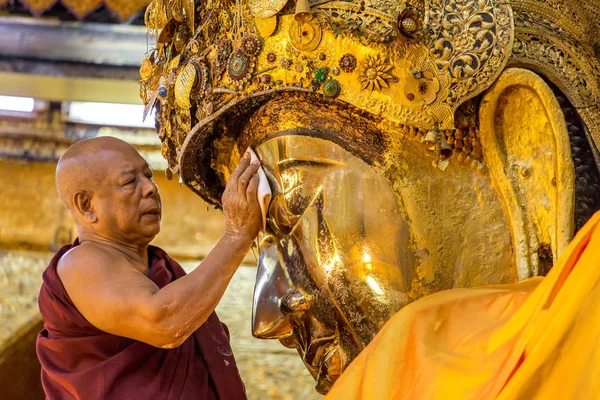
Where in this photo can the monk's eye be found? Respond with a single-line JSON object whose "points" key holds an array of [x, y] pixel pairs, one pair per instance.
{"points": [[130, 182]]}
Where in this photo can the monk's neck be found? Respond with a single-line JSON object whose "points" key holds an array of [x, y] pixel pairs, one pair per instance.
{"points": [[134, 252]]}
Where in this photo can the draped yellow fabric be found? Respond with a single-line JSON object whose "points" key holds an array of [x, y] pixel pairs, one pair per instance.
{"points": [[539, 339]]}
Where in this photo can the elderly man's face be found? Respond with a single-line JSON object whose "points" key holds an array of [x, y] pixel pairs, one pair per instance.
{"points": [[127, 200]]}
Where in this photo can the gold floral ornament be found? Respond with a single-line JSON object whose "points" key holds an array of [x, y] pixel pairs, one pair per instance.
{"points": [[420, 87], [374, 73], [410, 25], [243, 61]]}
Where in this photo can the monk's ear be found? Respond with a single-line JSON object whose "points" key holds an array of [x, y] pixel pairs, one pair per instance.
{"points": [[82, 204]]}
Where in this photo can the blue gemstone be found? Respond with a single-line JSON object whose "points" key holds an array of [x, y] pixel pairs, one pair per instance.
{"points": [[163, 92]]}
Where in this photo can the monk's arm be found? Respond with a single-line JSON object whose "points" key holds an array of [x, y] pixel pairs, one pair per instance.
{"points": [[184, 305], [116, 297]]}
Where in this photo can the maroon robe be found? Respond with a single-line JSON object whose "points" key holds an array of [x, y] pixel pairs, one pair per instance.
{"points": [[80, 361]]}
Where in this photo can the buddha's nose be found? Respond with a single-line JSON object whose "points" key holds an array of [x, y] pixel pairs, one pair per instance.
{"points": [[274, 295]]}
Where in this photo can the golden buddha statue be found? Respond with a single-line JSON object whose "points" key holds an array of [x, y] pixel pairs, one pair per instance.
{"points": [[411, 147]]}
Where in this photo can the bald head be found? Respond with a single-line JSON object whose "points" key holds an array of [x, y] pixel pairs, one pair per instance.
{"points": [[85, 164]]}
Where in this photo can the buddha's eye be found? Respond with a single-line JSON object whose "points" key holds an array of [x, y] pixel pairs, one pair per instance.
{"points": [[281, 220], [300, 184]]}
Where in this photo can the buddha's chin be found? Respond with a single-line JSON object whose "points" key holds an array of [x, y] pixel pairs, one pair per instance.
{"points": [[330, 369]]}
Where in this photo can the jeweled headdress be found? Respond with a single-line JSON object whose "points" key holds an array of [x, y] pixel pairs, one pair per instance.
{"points": [[411, 63]]}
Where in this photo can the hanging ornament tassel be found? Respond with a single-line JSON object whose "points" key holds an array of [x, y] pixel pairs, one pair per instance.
{"points": [[445, 148], [432, 137]]}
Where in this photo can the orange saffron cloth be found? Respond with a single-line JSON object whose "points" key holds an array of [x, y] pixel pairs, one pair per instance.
{"points": [[539, 339]]}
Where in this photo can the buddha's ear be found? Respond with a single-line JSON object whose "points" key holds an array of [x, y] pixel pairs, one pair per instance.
{"points": [[526, 148]]}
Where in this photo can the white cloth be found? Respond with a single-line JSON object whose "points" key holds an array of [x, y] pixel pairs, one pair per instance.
{"points": [[264, 190]]}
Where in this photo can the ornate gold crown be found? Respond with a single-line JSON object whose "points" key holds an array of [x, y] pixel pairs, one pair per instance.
{"points": [[412, 63]]}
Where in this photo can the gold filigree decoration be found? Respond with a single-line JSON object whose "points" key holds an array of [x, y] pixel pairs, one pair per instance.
{"points": [[370, 21], [461, 48], [470, 40], [554, 40]]}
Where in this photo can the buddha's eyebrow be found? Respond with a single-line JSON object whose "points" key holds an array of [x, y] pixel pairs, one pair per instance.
{"points": [[297, 162]]}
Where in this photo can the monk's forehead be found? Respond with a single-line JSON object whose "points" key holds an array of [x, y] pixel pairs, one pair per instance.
{"points": [[112, 162]]}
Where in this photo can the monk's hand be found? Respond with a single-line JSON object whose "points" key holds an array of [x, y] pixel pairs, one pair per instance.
{"points": [[243, 218]]}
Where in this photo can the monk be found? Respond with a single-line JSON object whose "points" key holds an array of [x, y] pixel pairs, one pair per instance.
{"points": [[534, 340], [122, 320]]}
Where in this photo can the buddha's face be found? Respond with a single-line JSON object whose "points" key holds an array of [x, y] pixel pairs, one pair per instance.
{"points": [[334, 262]]}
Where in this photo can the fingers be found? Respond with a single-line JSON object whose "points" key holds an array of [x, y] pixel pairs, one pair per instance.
{"points": [[242, 166], [252, 190], [245, 177]]}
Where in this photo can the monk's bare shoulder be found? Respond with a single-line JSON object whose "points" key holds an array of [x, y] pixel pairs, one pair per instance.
{"points": [[88, 258], [105, 287]]}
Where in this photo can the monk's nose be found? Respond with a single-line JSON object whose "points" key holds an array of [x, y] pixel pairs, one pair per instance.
{"points": [[149, 188], [272, 292]]}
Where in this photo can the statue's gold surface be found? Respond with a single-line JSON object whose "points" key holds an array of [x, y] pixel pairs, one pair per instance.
{"points": [[529, 155], [411, 147], [339, 257]]}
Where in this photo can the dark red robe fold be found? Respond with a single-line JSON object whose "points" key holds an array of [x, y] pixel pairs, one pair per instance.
{"points": [[80, 361]]}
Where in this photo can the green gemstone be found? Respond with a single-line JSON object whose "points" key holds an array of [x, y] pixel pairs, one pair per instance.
{"points": [[320, 75]]}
